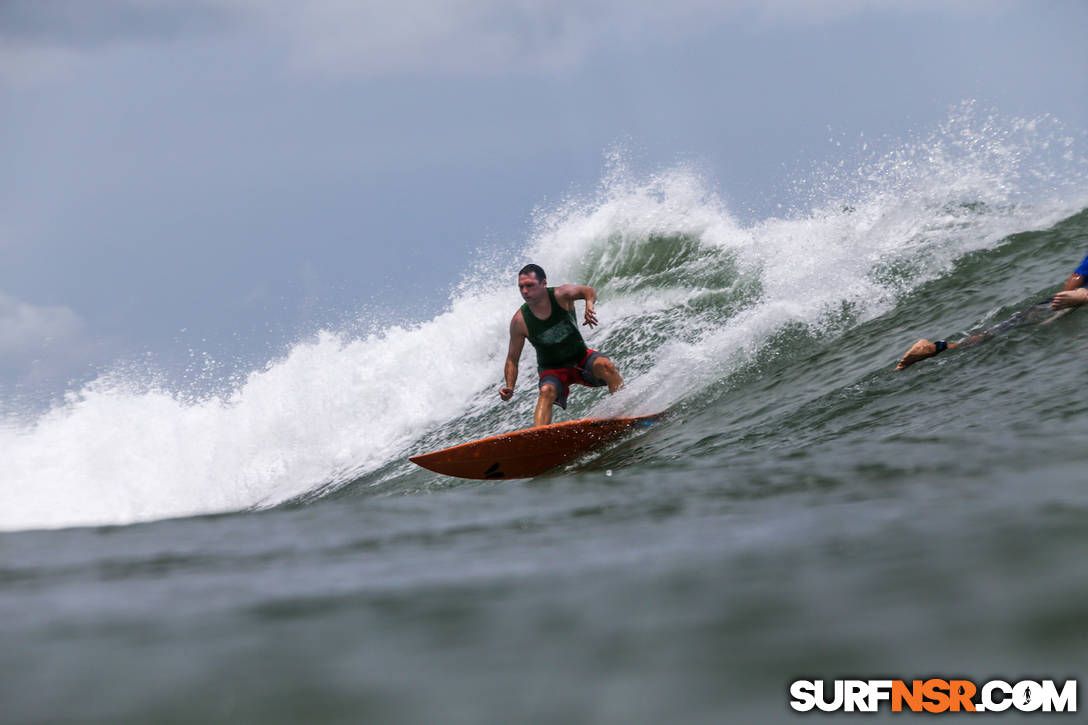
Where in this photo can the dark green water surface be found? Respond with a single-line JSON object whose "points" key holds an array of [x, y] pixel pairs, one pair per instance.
{"points": [[813, 514]]}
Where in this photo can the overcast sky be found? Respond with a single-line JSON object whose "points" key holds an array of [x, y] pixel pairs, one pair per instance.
{"points": [[241, 171]]}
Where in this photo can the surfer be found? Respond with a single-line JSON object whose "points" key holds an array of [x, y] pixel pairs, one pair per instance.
{"points": [[548, 321], [1074, 294]]}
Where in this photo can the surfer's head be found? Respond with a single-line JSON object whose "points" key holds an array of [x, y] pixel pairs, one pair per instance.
{"points": [[534, 269], [532, 282]]}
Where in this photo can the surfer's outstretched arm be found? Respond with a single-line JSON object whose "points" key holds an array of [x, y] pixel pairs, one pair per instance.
{"points": [[519, 333], [566, 295]]}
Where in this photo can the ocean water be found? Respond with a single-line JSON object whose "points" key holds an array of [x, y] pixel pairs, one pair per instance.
{"points": [[266, 553]]}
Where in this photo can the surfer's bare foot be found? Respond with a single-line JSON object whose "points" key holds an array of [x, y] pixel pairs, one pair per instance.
{"points": [[919, 351]]}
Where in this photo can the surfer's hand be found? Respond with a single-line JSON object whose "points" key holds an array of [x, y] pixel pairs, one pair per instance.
{"points": [[1072, 298], [918, 351], [591, 317], [506, 392]]}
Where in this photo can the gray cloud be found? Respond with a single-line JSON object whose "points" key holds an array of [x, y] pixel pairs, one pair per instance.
{"points": [[374, 38], [44, 41], [35, 338], [79, 24], [25, 327], [470, 37], [502, 36]]}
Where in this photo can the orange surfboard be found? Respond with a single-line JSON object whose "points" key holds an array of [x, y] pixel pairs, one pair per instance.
{"points": [[529, 452]]}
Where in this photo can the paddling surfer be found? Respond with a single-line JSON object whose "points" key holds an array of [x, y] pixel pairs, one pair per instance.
{"points": [[548, 321], [1074, 294]]}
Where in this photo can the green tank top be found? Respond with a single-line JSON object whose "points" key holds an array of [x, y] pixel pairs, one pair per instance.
{"points": [[557, 340]]}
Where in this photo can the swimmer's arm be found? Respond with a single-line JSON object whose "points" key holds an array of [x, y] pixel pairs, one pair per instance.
{"points": [[1073, 293], [1075, 281], [518, 334], [1070, 298]]}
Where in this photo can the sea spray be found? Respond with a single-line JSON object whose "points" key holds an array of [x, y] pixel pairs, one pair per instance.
{"points": [[331, 408]]}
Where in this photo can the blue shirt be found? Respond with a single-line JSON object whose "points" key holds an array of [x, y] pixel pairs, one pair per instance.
{"points": [[1082, 270]]}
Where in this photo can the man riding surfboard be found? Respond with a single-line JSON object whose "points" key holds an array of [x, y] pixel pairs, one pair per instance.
{"points": [[547, 320]]}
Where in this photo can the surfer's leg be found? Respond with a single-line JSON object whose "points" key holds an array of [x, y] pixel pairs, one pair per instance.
{"points": [[604, 369], [925, 349], [543, 413], [919, 351]]}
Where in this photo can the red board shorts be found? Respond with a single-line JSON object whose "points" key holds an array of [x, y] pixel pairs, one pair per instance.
{"points": [[563, 378]]}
